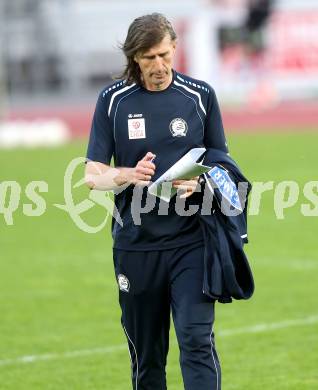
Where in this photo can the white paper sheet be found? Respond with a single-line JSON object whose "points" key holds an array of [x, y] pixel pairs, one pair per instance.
{"points": [[184, 169]]}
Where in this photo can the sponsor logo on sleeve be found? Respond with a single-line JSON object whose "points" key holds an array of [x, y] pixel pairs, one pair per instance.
{"points": [[226, 186]]}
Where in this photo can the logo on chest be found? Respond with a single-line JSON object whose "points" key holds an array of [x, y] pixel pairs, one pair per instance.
{"points": [[136, 127], [178, 127]]}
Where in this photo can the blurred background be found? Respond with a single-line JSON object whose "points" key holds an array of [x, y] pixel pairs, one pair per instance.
{"points": [[59, 317], [259, 55]]}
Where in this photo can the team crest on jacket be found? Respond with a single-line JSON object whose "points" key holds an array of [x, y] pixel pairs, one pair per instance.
{"points": [[123, 283], [178, 127]]}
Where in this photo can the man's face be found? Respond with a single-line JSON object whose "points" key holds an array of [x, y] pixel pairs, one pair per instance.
{"points": [[156, 64]]}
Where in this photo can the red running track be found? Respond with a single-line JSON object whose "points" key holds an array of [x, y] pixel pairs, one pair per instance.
{"points": [[296, 116]]}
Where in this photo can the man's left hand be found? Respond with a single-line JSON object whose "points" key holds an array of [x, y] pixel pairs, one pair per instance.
{"points": [[188, 187]]}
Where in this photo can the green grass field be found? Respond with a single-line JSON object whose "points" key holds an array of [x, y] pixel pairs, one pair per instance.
{"points": [[59, 324]]}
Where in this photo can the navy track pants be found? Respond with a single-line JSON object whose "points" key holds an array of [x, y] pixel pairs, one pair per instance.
{"points": [[151, 284]]}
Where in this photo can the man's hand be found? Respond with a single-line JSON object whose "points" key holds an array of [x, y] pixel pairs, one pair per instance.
{"points": [[188, 186], [102, 177], [143, 171]]}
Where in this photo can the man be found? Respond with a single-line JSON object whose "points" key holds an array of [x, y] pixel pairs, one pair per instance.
{"points": [[148, 121]]}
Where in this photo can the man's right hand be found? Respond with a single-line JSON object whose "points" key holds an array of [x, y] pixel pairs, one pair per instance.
{"points": [[143, 171], [102, 177]]}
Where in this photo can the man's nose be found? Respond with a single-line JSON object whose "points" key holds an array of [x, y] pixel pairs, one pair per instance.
{"points": [[159, 62]]}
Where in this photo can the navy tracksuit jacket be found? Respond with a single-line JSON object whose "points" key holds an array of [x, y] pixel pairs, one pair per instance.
{"points": [[227, 272]]}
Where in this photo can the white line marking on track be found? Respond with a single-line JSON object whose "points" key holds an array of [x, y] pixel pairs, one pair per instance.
{"points": [[267, 327], [294, 264], [63, 355], [259, 328]]}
